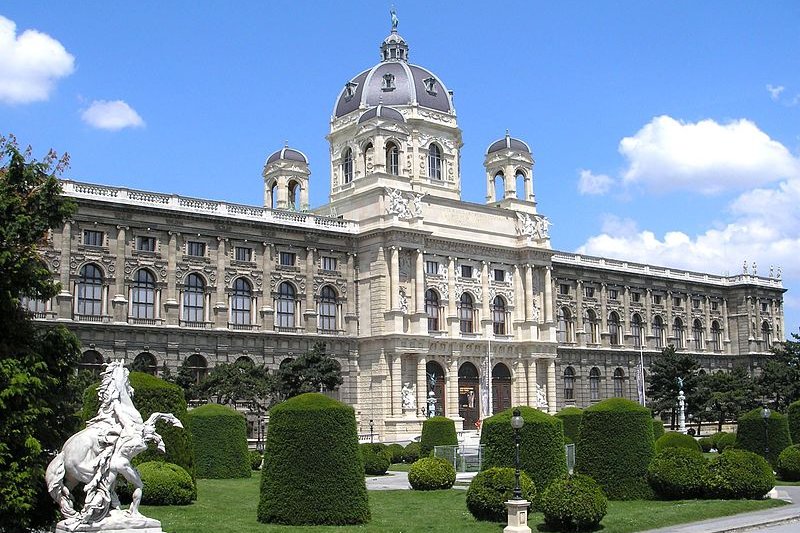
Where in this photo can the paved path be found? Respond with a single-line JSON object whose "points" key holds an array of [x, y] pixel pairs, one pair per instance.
{"points": [[399, 481]]}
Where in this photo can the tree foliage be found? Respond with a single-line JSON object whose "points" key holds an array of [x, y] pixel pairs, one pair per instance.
{"points": [[242, 381], [38, 396], [780, 374], [314, 371], [724, 396], [665, 370]]}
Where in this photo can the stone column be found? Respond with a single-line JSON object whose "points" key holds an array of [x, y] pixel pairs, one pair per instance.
{"points": [[452, 310], [267, 309], [532, 381], [580, 338], [451, 389], [551, 386], [394, 273], [603, 312], [548, 302], [490, 197], [419, 283], [221, 306], [422, 384], [171, 305], [725, 325], [529, 295], [396, 384], [351, 315], [519, 295], [310, 313], [64, 297], [485, 304], [119, 303]]}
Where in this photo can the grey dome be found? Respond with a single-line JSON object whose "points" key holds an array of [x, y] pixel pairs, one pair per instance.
{"points": [[383, 112], [288, 153], [508, 143], [394, 82]]}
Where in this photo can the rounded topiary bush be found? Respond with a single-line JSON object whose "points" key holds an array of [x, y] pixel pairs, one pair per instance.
{"points": [[789, 463], [162, 484], [541, 449], [437, 431], [793, 416], [571, 419], [255, 459], [615, 448], [490, 489], [154, 395], [313, 471], [574, 503], [658, 429], [724, 441], [751, 434], [432, 473], [674, 439], [736, 474], [396, 452], [411, 453], [677, 473], [220, 442], [706, 444], [376, 460]]}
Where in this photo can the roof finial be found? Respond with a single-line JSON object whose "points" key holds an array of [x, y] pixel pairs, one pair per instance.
{"points": [[286, 143], [507, 135], [393, 13]]}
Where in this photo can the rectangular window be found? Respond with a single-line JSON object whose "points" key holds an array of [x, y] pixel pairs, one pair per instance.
{"points": [[466, 271], [714, 305], [196, 249], [563, 289], [612, 294], [588, 292], [764, 307], [636, 296], [695, 303], [432, 267], [92, 237], [243, 253], [328, 263], [146, 244], [676, 302], [288, 258], [657, 299], [499, 274]]}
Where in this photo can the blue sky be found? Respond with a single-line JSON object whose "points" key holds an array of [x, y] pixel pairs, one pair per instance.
{"points": [[666, 132]]}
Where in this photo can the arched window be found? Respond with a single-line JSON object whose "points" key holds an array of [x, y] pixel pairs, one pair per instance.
{"points": [[91, 361], [286, 306], [273, 195], [244, 361], [90, 291], [499, 316], [564, 328], [432, 309], [697, 334], [619, 382], [198, 368], [594, 384], [369, 153], [466, 313], [436, 383], [520, 180], [434, 162], [677, 333], [569, 383], [594, 326], [636, 330], [327, 309], [469, 394], [499, 186], [145, 362], [658, 331], [293, 189], [241, 302], [347, 165], [716, 336], [613, 329], [194, 299], [392, 159], [766, 333], [143, 295]]}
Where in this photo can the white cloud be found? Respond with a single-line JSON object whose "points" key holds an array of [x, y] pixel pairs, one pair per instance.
{"points": [[590, 183], [111, 115], [775, 92], [705, 157], [30, 64]]}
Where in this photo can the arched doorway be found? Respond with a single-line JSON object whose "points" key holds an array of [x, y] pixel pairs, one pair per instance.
{"points": [[91, 361], [435, 374], [469, 395], [501, 388]]}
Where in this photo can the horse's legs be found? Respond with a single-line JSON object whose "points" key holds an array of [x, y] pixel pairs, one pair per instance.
{"points": [[130, 473]]}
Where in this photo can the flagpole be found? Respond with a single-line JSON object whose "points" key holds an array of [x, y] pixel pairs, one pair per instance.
{"points": [[641, 363]]}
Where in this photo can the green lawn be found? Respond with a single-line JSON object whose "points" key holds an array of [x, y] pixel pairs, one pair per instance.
{"points": [[400, 467], [229, 506]]}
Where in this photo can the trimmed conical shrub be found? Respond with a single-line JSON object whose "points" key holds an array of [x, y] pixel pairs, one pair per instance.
{"points": [[541, 450], [793, 414], [437, 431], [758, 435], [313, 472], [615, 448], [571, 418], [220, 442]]}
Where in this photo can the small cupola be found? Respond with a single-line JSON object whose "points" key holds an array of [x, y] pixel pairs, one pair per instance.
{"points": [[286, 178], [394, 47], [509, 171]]}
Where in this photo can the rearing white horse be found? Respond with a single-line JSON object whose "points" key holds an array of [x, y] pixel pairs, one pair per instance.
{"points": [[98, 454]]}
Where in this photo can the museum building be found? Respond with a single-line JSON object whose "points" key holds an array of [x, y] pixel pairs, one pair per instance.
{"points": [[423, 299]]}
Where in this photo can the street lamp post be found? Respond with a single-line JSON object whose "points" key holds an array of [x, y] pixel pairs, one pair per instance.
{"points": [[370, 430], [765, 414], [517, 422]]}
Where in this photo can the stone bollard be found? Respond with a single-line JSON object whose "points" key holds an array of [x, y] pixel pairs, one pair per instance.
{"points": [[517, 516]]}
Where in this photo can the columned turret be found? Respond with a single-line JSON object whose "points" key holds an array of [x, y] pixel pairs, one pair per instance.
{"points": [[509, 167], [286, 180]]}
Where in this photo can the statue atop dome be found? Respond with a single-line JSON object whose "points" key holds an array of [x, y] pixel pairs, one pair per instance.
{"points": [[393, 13]]}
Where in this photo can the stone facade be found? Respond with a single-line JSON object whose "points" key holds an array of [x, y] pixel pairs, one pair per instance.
{"points": [[406, 283]]}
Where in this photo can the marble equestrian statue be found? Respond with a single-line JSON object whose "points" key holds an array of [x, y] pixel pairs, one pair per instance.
{"points": [[97, 455]]}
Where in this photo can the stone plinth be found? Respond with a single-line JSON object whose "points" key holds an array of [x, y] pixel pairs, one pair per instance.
{"points": [[117, 521], [517, 516]]}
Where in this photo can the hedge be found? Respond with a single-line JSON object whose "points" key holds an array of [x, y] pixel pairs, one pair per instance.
{"points": [[432, 473], [615, 448], [491, 489], [220, 442], [541, 450], [163, 484], [789, 463], [411, 453], [658, 428], [673, 439], [751, 434], [396, 451], [793, 414], [677, 473], [736, 474], [313, 472], [574, 503], [256, 457], [437, 431], [571, 419], [376, 459], [154, 395], [706, 444], [724, 441]]}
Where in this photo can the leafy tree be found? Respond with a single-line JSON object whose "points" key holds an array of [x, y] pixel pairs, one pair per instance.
{"points": [[185, 379], [663, 381], [242, 381], [314, 371], [38, 396], [780, 374], [725, 395]]}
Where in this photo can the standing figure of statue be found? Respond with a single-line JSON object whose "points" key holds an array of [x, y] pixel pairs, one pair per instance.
{"points": [[98, 454], [407, 397]]}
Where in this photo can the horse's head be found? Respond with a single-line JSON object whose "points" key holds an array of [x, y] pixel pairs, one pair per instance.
{"points": [[149, 434]]}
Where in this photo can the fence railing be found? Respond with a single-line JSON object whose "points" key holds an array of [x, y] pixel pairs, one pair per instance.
{"points": [[464, 458]]}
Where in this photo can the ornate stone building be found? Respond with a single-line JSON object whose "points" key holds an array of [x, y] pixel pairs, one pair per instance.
{"points": [[417, 293]]}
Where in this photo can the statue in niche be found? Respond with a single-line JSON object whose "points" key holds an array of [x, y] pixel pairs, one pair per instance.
{"points": [[403, 300], [98, 454], [407, 397], [541, 397]]}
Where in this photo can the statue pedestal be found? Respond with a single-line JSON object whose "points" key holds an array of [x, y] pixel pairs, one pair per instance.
{"points": [[117, 521], [517, 516]]}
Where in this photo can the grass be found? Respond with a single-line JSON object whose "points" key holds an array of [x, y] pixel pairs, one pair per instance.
{"points": [[229, 506], [400, 467]]}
